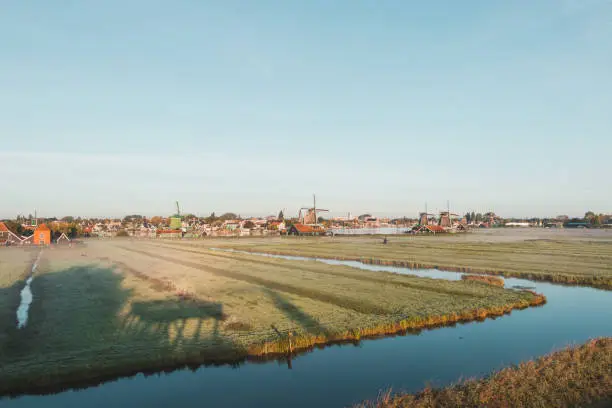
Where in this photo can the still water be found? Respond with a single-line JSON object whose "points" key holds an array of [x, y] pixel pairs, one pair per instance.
{"points": [[343, 375], [370, 231]]}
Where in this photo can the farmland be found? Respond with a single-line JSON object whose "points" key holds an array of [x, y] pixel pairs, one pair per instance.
{"points": [[118, 307], [572, 257]]}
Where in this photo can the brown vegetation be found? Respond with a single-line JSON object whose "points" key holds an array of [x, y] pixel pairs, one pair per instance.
{"points": [[491, 280], [575, 376]]}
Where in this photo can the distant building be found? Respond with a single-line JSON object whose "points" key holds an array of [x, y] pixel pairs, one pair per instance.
{"points": [[42, 235], [63, 239], [301, 229], [161, 233], [576, 225], [432, 229], [8, 236]]}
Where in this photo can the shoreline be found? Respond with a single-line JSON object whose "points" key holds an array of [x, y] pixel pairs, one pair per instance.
{"points": [[603, 283], [282, 349], [573, 376]]}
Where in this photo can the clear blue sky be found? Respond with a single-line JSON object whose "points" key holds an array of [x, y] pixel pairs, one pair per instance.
{"points": [[115, 107]]}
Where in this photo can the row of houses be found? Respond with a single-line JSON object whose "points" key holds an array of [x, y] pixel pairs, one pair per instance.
{"points": [[40, 236]]}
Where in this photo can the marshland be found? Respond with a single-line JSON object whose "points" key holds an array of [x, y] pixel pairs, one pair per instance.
{"points": [[111, 309]]}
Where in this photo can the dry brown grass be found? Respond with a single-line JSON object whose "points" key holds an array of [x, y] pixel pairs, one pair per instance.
{"points": [[575, 376], [490, 280]]}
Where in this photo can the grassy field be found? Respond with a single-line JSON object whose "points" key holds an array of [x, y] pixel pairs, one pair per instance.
{"points": [[573, 257], [578, 376], [120, 307], [15, 266]]}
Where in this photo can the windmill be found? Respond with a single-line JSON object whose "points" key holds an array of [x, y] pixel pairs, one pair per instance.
{"points": [[310, 215], [446, 217], [175, 220], [424, 217]]}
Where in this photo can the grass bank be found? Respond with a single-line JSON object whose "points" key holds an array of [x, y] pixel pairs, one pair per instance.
{"points": [[575, 376], [573, 260], [116, 308]]}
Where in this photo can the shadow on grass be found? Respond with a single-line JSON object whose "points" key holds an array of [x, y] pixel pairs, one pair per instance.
{"points": [[295, 314], [85, 327]]}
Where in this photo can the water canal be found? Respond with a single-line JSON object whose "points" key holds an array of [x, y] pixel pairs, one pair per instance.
{"points": [[339, 376]]}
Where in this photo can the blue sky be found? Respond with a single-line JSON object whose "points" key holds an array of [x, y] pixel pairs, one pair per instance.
{"points": [[115, 107]]}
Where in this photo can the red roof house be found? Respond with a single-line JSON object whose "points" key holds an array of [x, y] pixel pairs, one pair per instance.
{"points": [[302, 229], [6, 235]]}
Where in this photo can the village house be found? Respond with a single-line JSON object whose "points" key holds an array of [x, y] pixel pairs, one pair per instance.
{"points": [[306, 230], [8, 237], [42, 235], [428, 229]]}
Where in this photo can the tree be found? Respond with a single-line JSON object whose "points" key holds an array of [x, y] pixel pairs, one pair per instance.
{"points": [[321, 220], [479, 217], [228, 216], [596, 220], [156, 220], [68, 218], [14, 227], [473, 217], [211, 219], [281, 216], [467, 217], [132, 217], [248, 224], [589, 216]]}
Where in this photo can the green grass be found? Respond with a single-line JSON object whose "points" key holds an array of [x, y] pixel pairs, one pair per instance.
{"points": [[15, 266], [576, 376], [119, 307], [572, 258]]}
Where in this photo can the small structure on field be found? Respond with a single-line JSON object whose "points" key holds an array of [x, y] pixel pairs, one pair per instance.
{"points": [[429, 229], [63, 239], [42, 235], [306, 230]]}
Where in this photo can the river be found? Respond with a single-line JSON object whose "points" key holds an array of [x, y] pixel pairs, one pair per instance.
{"points": [[340, 376]]}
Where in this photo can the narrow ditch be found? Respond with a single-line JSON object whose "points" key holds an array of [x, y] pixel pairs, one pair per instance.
{"points": [[26, 296]]}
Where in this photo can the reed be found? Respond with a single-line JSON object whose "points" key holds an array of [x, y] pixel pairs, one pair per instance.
{"points": [[574, 376], [490, 280]]}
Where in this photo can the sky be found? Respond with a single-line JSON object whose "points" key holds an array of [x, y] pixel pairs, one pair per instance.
{"points": [[117, 107]]}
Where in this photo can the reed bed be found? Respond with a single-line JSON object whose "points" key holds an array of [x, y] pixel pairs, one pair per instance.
{"points": [[490, 280], [574, 376]]}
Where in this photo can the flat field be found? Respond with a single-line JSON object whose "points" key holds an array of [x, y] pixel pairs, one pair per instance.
{"points": [[118, 307], [564, 256]]}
